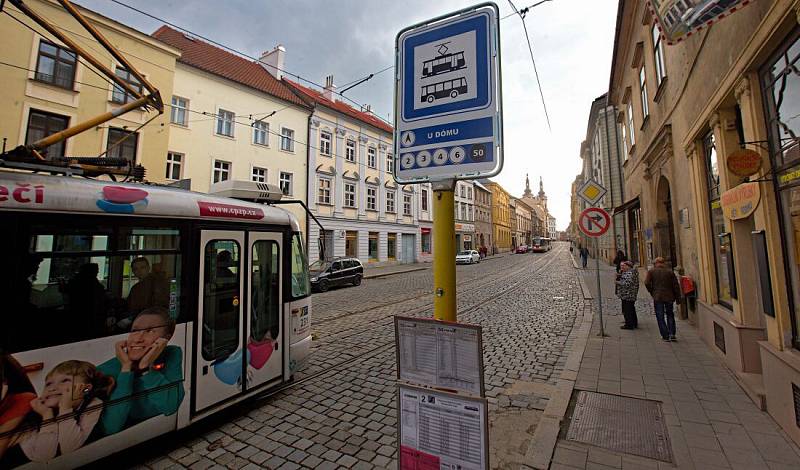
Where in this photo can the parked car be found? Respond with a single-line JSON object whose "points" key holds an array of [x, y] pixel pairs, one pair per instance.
{"points": [[468, 257], [522, 249], [337, 272]]}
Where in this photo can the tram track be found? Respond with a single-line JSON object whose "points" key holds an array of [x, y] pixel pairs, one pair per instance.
{"points": [[383, 305], [364, 355]]}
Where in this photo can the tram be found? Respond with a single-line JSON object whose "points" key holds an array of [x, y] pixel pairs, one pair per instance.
{"points": [[131, 310], [540, 244]]}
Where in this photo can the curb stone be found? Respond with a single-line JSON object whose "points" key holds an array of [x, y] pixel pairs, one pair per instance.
{"points": [[545, 437]]}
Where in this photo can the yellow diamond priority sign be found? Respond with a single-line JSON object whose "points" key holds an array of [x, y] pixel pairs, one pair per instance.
{"points": [[591, 192]]}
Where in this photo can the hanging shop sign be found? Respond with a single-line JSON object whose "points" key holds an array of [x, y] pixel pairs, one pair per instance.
{"points": [[744, 162], [679, 19], [741, 201]]}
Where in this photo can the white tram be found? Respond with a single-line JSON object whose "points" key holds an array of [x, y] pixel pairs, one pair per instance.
{"points": [[130, 310]]}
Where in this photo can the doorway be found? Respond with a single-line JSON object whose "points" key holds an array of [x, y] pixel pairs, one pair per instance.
{"points": [[665, 228]]}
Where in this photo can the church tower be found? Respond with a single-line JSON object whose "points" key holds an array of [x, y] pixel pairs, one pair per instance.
{"points": [[528, 193], [542, 196]]}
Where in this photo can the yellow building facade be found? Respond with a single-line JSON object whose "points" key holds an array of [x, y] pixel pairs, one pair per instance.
{"points": [[47, 89], [501, 216]]}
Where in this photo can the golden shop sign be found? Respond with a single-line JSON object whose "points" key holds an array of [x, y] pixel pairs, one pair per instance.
{"points": [[741, 201]]}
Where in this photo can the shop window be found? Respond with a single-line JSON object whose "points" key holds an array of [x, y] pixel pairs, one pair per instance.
{"points": [[723, 250], [426, 242], [351, 244], [391, 246], [781, 91], [373, 246]]}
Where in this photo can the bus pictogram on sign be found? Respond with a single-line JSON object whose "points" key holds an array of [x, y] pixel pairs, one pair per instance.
{"points": [[594, 222]]}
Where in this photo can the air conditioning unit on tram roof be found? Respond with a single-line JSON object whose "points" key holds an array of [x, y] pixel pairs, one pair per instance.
{"points": [[247, 190]]}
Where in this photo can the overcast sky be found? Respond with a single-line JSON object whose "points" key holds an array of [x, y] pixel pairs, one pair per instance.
{"points": [[572, 43]]}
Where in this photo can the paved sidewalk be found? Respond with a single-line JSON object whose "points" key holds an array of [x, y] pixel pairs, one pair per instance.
{"points": [[712, 423]]}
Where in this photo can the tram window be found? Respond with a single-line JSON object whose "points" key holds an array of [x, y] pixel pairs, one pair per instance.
{"points": [[150, 239], [221, 299], [301, 287], [265, 285], [76, 285]]}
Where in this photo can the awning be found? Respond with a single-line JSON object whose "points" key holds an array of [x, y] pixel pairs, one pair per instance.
{"points": [[628, 205]]}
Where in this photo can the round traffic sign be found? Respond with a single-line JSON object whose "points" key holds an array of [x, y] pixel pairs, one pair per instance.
{"points": [[594, 222]]}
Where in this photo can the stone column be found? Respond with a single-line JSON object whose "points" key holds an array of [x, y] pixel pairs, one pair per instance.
{"points": [[338, 185]]}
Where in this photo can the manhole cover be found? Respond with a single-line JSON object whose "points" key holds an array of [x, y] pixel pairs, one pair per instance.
{"points": [[622, 424]]}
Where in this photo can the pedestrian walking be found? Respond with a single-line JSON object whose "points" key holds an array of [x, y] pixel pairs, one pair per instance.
{"points": [[627, 290], [619, 259], [663, 285], [584, 256]]}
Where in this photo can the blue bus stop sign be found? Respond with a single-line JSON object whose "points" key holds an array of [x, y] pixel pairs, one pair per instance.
{"points": [[448, 106]]}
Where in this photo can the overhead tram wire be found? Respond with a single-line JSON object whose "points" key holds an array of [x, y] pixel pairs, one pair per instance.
{"points": [[530, 49], [230, 49], [525, 10]]}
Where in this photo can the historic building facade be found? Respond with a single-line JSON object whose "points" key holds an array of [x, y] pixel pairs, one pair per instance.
{"points": [[501, 217], [232, 118], [49, 89], [483, 217], [686, 110], [464, 206], [364, 212]]}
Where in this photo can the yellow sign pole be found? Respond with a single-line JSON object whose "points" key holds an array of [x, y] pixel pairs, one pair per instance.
{"points": [[444, 253]]}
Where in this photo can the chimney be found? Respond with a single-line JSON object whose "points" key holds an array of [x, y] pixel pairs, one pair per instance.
{"points": [[367, 108], [330, 88], [272, 61]]}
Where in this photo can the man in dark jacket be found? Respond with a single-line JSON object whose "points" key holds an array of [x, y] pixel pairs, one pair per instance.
{"points": [[663, 285]]}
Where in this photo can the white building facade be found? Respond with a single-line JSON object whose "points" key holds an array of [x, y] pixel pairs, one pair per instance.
{"points": [[464, 206], [364, 213]]}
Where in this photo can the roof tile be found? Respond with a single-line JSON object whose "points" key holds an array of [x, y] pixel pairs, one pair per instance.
{"points": [[319, 98], [212, 59]]}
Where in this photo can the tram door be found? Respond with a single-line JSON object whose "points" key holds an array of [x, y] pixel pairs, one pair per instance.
{"points": [[264, 329], [239, 340], [219, 356]]}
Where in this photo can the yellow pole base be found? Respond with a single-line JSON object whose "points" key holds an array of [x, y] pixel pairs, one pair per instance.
{"points": [[444, 256]]}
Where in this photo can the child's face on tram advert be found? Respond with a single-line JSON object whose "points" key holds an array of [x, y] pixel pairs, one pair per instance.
{"points": [[58, 386], [146, 329]]}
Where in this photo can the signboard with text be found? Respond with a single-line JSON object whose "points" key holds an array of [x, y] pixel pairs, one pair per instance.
{"points": [[441, 430], [448, 107], [440, 354]]}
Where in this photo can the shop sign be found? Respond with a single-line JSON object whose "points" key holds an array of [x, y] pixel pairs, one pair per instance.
{"points": [[787, 178], [741, 201], [467, 238], [464, 227], [744, 162]]}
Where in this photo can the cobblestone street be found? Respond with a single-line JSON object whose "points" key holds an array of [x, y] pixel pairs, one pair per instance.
{"points": [[340, 410]]}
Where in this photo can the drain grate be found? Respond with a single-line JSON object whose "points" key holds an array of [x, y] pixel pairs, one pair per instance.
{"points": [[622, 424]]}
